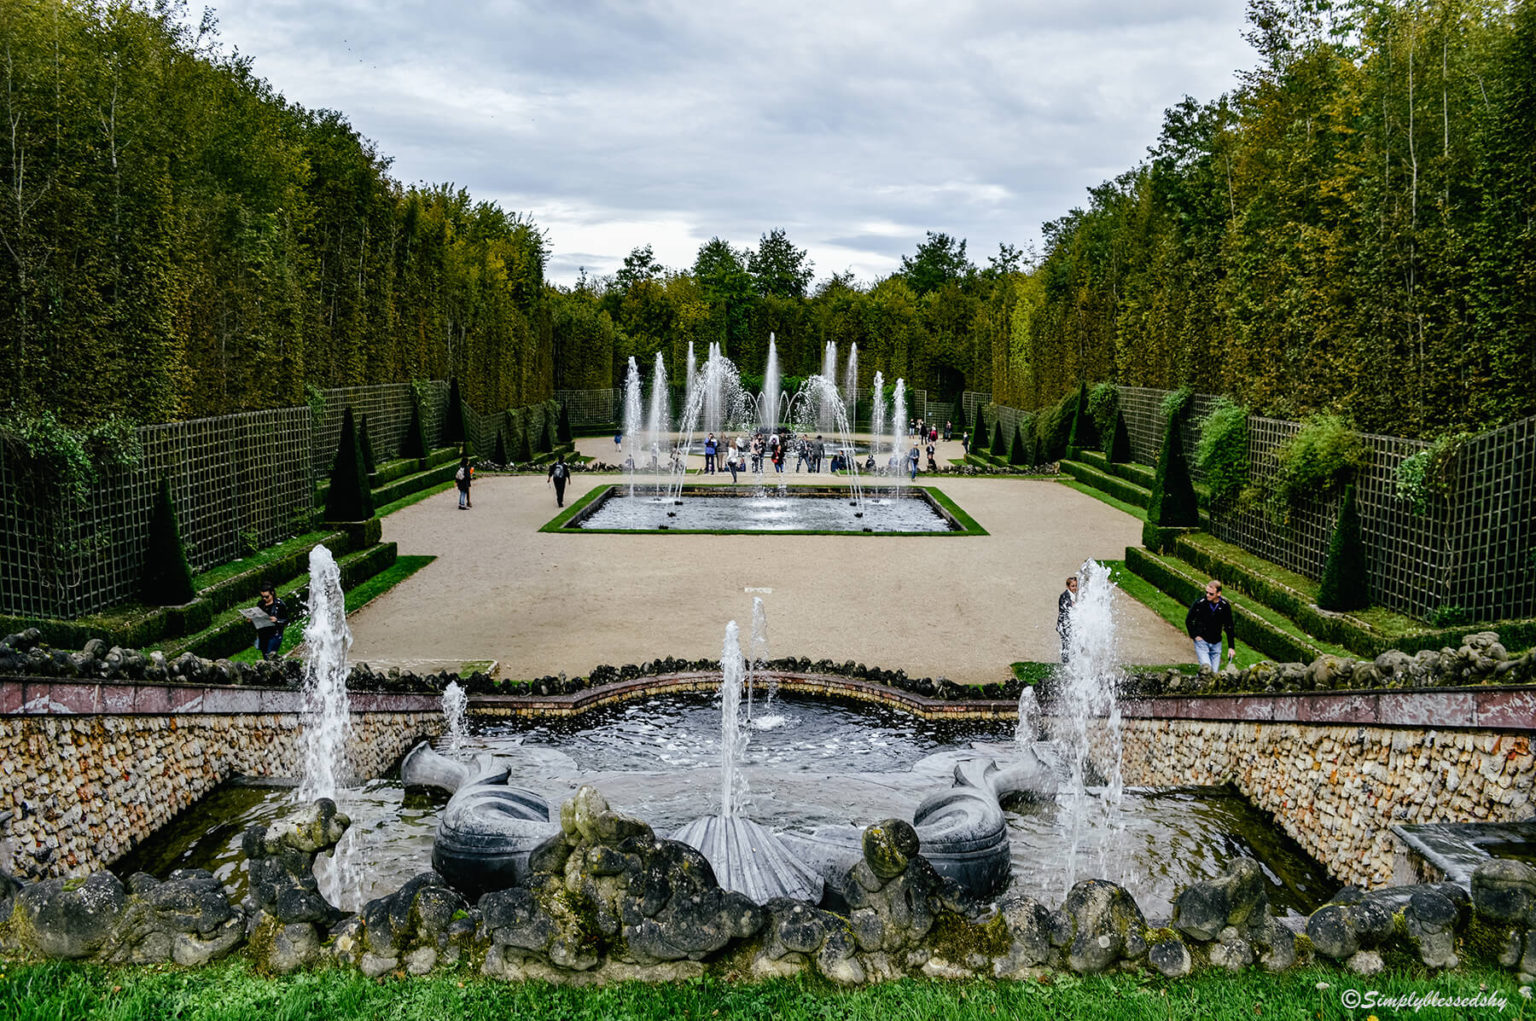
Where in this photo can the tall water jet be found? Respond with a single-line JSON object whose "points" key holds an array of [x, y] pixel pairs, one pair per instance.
{"points": [[632, 421], [732, 741], [851, 384], [1089, 700], [326, 716], [898, 431], [658, 422], [690, 376], [713, 388], [824, 412], [877, 419], [455, 704], [768, 403]]}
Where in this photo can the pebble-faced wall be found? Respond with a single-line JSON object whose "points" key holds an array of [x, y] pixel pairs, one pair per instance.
{"points": [[81, 789], [1337, 790]]}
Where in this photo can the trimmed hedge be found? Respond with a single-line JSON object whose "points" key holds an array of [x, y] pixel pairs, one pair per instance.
{"points": [[1083, 433], [1130, 471], [1120, 447], [1251, 629], [1119, 488], [414, 443], [366, 445], [563, 430], [442, 472]]}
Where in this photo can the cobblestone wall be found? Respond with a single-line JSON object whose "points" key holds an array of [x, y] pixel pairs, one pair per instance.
{"points": [[1338, 790], [83, 790]]}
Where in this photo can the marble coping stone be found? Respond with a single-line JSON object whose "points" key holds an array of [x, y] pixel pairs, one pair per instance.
{"points": [[1480, 708]]}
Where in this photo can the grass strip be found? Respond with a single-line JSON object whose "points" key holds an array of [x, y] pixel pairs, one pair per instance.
{"points": [[1120, 505], [416, 497], [233, 990], [261, 558], [359, 597]]}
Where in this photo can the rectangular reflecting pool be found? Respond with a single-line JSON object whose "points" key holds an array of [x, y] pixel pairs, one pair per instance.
{"points": [[906, 510]]}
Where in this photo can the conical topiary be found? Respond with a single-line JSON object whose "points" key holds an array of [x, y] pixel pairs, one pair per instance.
{"points": [[1022, 455], [1345, 581], [453, 418], [414, 442], [1119, 449], [366, 445], [523, 443], [550, 440], [1173, 503], [501, 446], [563, 432], [958, 425], [167, 577], [1083, 434], [350, 498], [999, 445]]}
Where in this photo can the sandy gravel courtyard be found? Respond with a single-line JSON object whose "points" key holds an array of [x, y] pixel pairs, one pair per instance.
{"points": [[958, 607]]}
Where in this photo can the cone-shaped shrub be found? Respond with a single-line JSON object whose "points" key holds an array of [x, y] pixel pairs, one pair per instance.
{"points": [[959, 423], [453, 421], [350, 498], [1173, 494], [550, 433], [1083, 434], [167, 578], [414, 442], [1119, 450], [501, 446], [563, 432], [366, 445], [522, 447], [998, 447], [980, 435], [1344, 584], [1023, 453], [1055, 429]]}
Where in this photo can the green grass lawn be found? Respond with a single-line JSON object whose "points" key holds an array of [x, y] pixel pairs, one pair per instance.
{"points": [[233, 991], [357, 598]]}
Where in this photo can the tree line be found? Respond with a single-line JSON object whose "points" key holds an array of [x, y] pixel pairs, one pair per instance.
{"points": [[177, 240], [1352, 229]]}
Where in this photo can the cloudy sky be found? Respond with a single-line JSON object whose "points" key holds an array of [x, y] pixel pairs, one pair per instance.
{"points": [[855, 126]]}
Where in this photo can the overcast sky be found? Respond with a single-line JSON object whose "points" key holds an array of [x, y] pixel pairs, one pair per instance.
{"points": [[854, 126]]}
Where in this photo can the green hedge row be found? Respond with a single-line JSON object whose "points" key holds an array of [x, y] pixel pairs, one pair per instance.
{"points": [[227, 637], [394, 471], [1117, 487], [1137, 474], [1340, 629], [415, 483], [1251, 629]]}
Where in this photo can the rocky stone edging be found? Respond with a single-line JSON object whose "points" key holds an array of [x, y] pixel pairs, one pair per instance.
{"points": [[607, 900], [1480, 659]]}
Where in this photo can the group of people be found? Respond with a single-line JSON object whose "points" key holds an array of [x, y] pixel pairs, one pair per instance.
{"points": [[765, 448], [1209, 624], [916, 427]]}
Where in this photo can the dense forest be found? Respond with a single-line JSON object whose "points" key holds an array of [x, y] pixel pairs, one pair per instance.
{"points": [[1352, 229], [179, 241]]}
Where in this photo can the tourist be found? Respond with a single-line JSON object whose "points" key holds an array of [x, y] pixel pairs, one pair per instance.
{"points": [[732, 459], [949, 431], [912, 459], [817, 453], [559, 472], [269, 639], [965, 444], [933, 466], [461, 479], [618, 441], [1208, 618], [778, 455], [710, 447], [757, 453], [1064, 605], [802, 453]]}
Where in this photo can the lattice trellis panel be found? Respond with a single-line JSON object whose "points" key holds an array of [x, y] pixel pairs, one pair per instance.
{"points": [[388, 407], [590, 407], [1493, 557]]}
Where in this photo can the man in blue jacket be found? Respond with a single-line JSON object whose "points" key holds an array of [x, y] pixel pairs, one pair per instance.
{"points": [[1208, 618]]}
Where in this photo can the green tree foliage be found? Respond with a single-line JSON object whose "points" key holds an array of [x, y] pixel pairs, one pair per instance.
{"points": [[350, 497], [939, 262], [167, 579], [1315, 464], [1365, 198], [1345, 580], [778, 268], [205, 246]]}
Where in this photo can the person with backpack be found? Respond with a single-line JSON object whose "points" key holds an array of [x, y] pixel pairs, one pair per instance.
{"points": [[559, 474], [462, 478]]}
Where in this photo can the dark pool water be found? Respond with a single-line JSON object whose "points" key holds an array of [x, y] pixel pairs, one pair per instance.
{"points": [[809, 763]]}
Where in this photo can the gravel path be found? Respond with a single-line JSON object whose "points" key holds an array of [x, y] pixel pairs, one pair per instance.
{"points": [[963, 607]]}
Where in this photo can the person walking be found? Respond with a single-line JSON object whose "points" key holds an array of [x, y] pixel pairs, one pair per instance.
{"points": [[461, 479], [1208, 618], [913, 456], [818, 451], [559, 474], [710, 449], [965, 444], [1064, 604], [733, 459], [269, 639], [949, 431]]}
